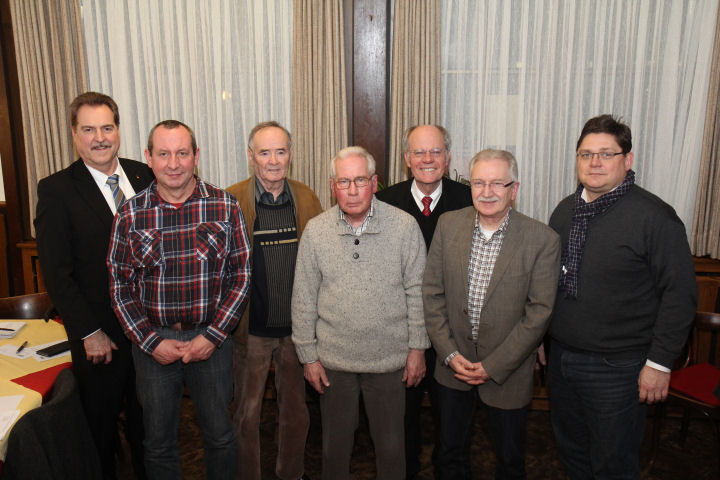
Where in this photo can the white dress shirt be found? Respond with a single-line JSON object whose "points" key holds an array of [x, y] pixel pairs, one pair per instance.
{"points": [[101, 180]]}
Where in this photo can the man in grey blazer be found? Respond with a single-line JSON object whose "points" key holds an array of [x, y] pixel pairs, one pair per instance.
{"points": [[488, 293]]}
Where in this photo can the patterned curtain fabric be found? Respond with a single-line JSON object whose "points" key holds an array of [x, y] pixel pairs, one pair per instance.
{"points": [[220, 66], [51, 69], [525, 76], [415, 89], [705, 237], [319, 97]]}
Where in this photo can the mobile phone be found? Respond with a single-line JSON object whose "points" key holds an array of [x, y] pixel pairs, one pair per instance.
{"points": [[53, 350]]}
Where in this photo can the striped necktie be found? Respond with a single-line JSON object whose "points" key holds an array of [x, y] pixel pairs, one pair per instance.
{"points": [[426, 201], [113, 180]]}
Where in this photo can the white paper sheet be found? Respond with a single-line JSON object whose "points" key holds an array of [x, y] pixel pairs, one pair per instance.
{"points": [[7, 418], [10, 402], [15, 326], [27, 352], [11, 351]]}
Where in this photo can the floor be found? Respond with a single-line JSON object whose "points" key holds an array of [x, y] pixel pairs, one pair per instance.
{"points": [[698, 460]]}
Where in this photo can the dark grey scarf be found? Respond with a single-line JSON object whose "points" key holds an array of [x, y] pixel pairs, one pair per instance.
{"points": [[582, 213]]}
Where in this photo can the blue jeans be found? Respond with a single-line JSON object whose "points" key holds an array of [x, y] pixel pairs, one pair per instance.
{"points": [[160, 390], [596, 417]]}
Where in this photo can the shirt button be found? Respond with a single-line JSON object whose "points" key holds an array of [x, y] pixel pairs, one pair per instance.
{"points": [[357, 242], [356, 256]]}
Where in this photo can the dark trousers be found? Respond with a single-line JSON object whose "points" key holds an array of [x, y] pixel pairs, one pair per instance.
{"points": [[413, 405], [105, 391], [384, 399], [508, 429], [596, 417]]}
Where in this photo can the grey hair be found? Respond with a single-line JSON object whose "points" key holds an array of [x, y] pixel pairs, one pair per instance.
{"points": [[504, 155], [441, 129], [350, 151], [263, 125]]}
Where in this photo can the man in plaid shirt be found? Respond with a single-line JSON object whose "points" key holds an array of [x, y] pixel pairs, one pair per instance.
{"points": [[179, 273]]}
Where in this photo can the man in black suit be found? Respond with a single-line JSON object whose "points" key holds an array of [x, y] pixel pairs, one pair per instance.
{"points": [[426, 196], [75, 211]]}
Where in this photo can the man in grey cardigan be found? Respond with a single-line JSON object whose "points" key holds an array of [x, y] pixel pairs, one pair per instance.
{"points": [[357, 315]]}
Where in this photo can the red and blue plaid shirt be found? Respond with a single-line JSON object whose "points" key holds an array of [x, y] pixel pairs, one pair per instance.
{"points": [[188, 264]]}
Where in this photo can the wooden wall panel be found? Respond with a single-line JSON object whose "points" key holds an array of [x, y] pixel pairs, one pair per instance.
{"points": [[371, 79], [12, 152], [4, 271]]}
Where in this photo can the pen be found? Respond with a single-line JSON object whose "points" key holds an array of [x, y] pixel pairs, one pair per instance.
{"points": [[20, 349]]}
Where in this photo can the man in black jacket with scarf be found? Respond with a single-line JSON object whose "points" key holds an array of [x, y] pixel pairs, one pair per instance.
{"points": [[626, 299]]}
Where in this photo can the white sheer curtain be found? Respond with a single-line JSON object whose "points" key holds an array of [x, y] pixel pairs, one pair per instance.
{"points": [[220, 66], [525, 76]]}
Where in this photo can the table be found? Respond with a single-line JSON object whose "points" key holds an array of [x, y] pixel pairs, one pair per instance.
{"points": [[29, 377]]}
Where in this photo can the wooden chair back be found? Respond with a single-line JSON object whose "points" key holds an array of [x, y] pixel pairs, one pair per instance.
{"points": [[708, 292], [34, 305], [705, 335], [708, 288], [702, 347]]}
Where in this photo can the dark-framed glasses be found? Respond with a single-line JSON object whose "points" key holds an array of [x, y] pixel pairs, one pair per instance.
{"points": [[600, 155], [344, 183], [495, 186]]}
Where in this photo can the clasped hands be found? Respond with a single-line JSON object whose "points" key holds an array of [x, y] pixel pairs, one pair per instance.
{"points": [[169, 350], [467, 371]]}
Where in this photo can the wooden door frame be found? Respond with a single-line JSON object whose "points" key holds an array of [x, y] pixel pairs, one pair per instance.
{"points": [[12, 152]]}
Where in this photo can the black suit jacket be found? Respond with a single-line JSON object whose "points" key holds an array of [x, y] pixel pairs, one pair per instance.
{"points": [[455, 196], [73, 224]]}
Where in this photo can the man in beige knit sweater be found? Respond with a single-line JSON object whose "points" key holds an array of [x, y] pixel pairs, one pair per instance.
{"points": [[357, 316]]}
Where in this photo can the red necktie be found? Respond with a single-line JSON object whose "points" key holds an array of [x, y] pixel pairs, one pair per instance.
{"points": [[426, 201]]}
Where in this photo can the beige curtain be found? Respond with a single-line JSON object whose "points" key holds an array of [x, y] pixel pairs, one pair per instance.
{"points": [[415, 90], [705, 236], [319, 108], [51, 69], [236, 64]]}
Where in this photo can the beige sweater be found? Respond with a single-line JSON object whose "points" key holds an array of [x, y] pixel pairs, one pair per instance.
{"points": [[357, 305]]}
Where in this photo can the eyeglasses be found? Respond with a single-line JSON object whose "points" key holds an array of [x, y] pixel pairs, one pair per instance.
{"points": [[344, 183], [496, 186], [434, 153], [600, 155]]}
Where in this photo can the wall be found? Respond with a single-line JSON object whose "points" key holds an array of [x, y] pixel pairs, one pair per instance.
{"points": [[2, 185]]}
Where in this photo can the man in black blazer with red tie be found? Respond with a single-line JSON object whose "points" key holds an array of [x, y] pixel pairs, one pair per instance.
{"points": [[425, 196], [75, 211]]}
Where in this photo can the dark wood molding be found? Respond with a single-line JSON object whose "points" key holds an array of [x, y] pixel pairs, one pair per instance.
{"points": [[12, 150], [348, 14], [370, 87], [707, 265], [4, 270]]}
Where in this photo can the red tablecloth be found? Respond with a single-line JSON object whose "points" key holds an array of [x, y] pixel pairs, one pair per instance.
{"points": [[43, 380], [34, 378]]}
